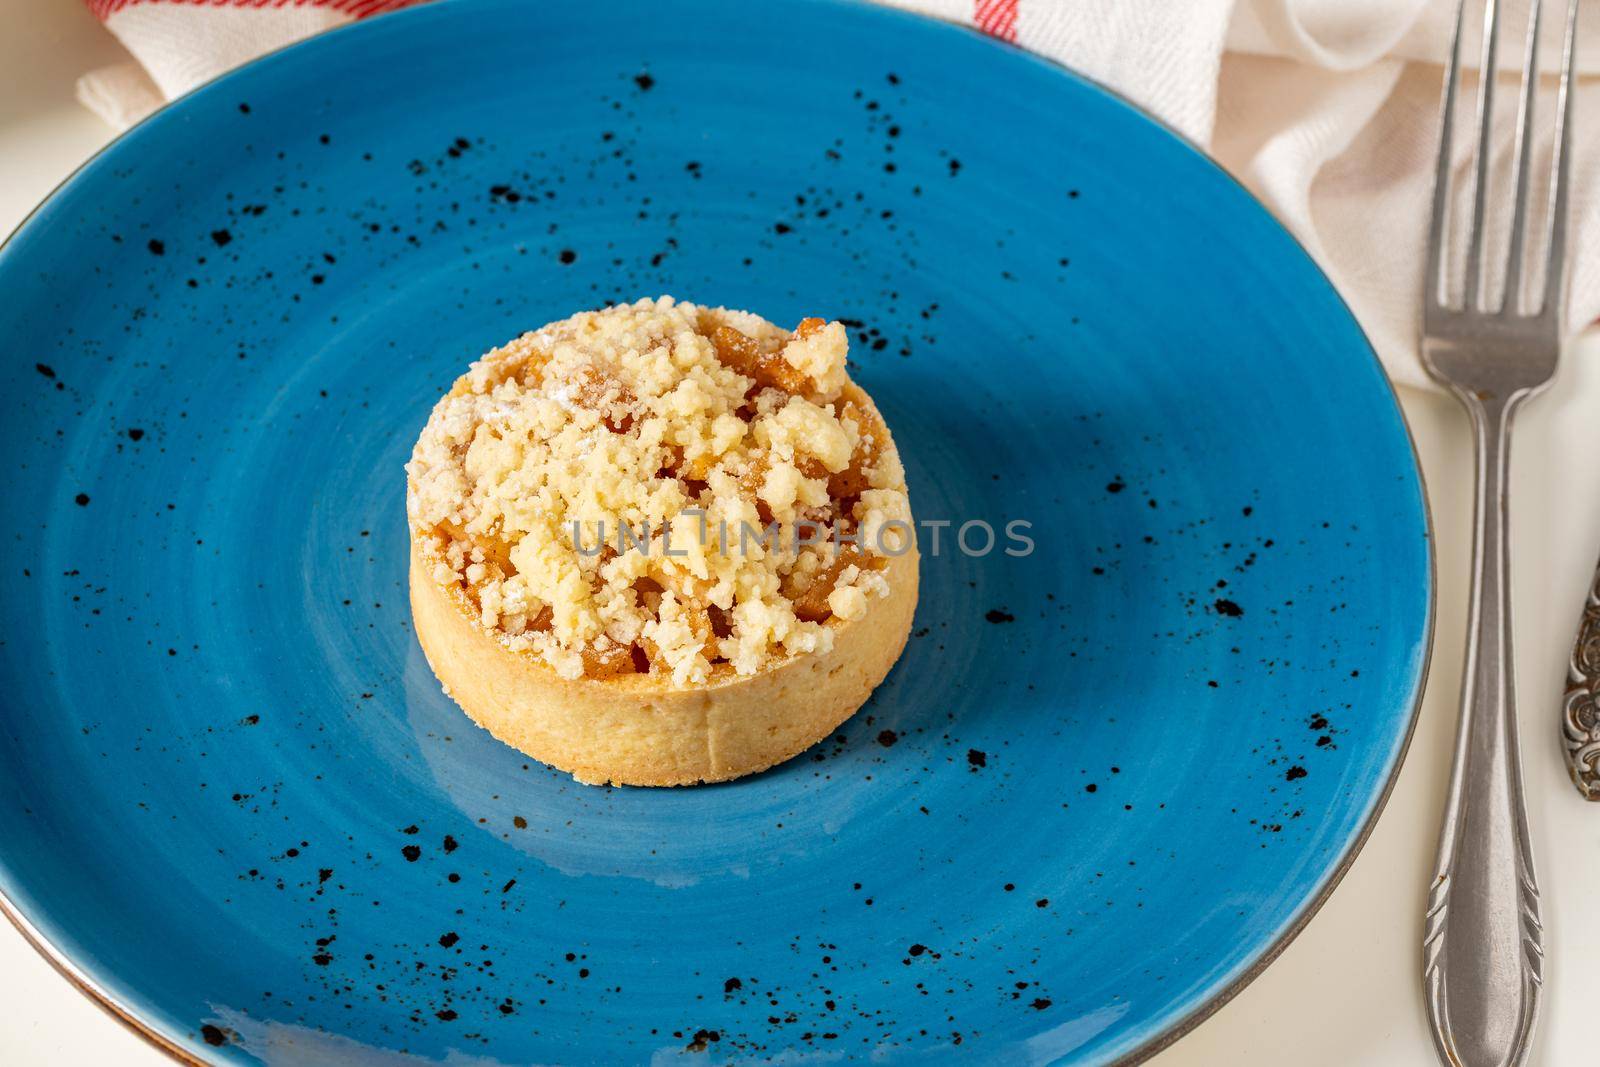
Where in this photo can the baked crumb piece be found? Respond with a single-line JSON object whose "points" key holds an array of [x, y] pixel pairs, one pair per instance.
{"points": [[661, 488]]}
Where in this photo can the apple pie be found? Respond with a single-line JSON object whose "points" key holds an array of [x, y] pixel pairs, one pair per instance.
{"points": [[661, 544]]}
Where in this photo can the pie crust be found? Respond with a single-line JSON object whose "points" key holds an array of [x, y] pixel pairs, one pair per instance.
{"points": [[640, 729]]}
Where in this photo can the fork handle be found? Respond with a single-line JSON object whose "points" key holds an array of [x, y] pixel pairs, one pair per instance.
{"points": [[1483, 953]]}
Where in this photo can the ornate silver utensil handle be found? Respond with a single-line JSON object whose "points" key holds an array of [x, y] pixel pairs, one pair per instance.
{"points": [[1580, 724]]}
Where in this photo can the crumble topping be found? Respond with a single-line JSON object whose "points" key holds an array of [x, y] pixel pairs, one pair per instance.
{"points": [[661, 487]]}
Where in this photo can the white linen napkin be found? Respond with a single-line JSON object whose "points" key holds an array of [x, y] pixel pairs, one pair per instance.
{"points": [[1326, 109]]}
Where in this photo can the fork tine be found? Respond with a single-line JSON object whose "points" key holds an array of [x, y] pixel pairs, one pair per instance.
{"points": [[1433, 288], [1511, 297], [1480, 188], [1556, 260]]}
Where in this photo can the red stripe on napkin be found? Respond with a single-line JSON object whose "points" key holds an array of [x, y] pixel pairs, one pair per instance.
{"points": [[102, 9], [997, 18]]}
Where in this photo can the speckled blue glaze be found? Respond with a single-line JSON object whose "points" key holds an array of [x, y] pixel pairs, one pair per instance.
{"points": [[1104, 783]]}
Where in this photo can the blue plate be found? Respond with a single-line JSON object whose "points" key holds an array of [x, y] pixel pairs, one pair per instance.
{"points": [[1108, 780]]}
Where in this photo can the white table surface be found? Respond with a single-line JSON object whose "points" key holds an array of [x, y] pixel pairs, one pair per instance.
{"points": [[1347, 990]]}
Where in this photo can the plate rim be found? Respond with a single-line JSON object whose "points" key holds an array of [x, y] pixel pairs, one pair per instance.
{"points": [[153, 1034]]}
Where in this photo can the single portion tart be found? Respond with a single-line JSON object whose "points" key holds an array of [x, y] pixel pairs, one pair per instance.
{"points": [[661, 544]]}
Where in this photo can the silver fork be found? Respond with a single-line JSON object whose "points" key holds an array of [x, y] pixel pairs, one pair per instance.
{"points": [[1483, 951]]}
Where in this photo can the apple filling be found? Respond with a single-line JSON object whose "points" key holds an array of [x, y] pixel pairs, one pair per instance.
{"points": [[661, 488]]}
